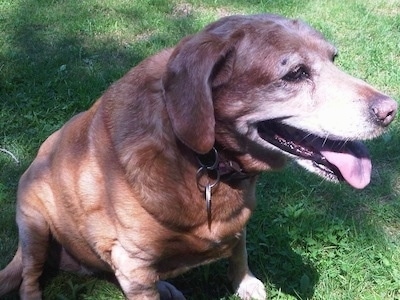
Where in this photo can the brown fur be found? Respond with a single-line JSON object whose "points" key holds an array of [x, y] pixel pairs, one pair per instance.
{"points": [[116, 185]]}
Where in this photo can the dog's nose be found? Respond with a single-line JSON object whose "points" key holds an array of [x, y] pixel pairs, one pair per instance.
{"points": [[384, 110]]}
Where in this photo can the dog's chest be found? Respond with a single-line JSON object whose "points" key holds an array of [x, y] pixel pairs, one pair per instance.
{"points": [[186, 235], [191, 251], [207, 242]]}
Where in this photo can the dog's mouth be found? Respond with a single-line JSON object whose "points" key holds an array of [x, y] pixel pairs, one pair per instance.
{"points": [[332, 159]]}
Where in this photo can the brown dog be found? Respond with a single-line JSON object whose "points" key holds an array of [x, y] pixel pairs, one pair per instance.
{"points": [[158, 176]]}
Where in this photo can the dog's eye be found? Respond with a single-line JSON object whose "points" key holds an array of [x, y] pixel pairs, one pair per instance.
{"points": [[297, 74]]}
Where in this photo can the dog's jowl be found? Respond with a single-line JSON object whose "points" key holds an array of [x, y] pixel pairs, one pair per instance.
{"points": [[158, 176]]}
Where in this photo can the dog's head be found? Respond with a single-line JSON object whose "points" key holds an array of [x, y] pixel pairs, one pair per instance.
{"points": [[263, 88]]}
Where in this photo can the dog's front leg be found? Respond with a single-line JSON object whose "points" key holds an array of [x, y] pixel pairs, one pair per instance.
{"points": [[134, 274], [245, 284], [138, 279]]}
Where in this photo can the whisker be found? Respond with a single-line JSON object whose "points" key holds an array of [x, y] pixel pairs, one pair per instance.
{"points": [[325, 140], [307, 134]]}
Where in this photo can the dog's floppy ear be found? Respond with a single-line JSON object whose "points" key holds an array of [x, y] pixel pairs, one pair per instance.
{"points": [[198, 64]]}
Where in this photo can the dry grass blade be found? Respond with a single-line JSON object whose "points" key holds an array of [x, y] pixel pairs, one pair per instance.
{"points": [[10, 154]]}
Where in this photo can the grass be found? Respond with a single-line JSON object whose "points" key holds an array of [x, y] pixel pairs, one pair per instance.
{"points": [[307, 238]]}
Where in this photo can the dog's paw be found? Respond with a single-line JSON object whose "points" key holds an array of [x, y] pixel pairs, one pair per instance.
{"points": [[168, 291], [251, 288]]}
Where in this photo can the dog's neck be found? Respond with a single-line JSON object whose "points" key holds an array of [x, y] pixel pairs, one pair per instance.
{"points": [[213, 169], [215, 164]]}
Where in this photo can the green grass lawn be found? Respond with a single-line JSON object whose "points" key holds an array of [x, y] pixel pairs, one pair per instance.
{"points": [[307, 238]]}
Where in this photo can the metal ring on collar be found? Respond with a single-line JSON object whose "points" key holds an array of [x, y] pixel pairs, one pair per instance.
{"points": [[208, 165], [204, 171]]}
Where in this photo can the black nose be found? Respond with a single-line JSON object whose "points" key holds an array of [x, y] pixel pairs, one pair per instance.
{"points": [[384, 110]]}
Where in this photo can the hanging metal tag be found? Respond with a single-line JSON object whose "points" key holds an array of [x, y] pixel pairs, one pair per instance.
{"points": [[207, 171], [207, 192]]}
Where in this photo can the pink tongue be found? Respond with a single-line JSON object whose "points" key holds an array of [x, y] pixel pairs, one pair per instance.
{"points": [[356, 171]]}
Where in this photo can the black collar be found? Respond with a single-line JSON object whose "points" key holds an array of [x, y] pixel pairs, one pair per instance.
{"points": [[223, 168]]}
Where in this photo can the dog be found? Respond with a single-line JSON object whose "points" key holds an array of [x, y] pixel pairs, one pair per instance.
{"points": [[158, 176]]}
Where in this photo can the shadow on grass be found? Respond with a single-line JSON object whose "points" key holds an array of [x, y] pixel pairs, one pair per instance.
{"points": [[271, 259], [284, 269], [54, 70], [54, 74]]}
